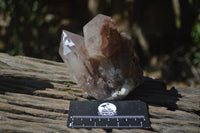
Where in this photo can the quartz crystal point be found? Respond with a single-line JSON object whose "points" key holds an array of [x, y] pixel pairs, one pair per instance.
{"points": [[103, 63]]}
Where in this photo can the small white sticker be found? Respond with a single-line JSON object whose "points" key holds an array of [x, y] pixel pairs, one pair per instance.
{"points": [[107, 109]]}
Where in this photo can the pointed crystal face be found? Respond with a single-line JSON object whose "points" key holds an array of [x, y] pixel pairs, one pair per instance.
{"points": [[103, 62], [101, 37]]}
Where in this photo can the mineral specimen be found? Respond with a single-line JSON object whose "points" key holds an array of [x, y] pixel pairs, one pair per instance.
{"points": [[103, 63]]}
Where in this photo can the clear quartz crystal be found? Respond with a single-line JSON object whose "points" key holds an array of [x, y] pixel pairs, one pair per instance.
{"points": [[103, 63]]}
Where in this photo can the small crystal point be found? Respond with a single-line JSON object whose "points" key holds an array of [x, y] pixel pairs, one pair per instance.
{"points": [[103, 63], [72, 50]]}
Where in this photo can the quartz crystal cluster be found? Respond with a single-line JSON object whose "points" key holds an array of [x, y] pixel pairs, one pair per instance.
{"points": [[103, 62]]}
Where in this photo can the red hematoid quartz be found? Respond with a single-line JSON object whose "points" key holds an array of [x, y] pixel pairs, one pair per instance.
{"points": [[103, 63]]}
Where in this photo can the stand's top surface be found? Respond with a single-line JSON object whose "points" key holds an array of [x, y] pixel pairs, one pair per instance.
{"points": [[35, 96]]}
